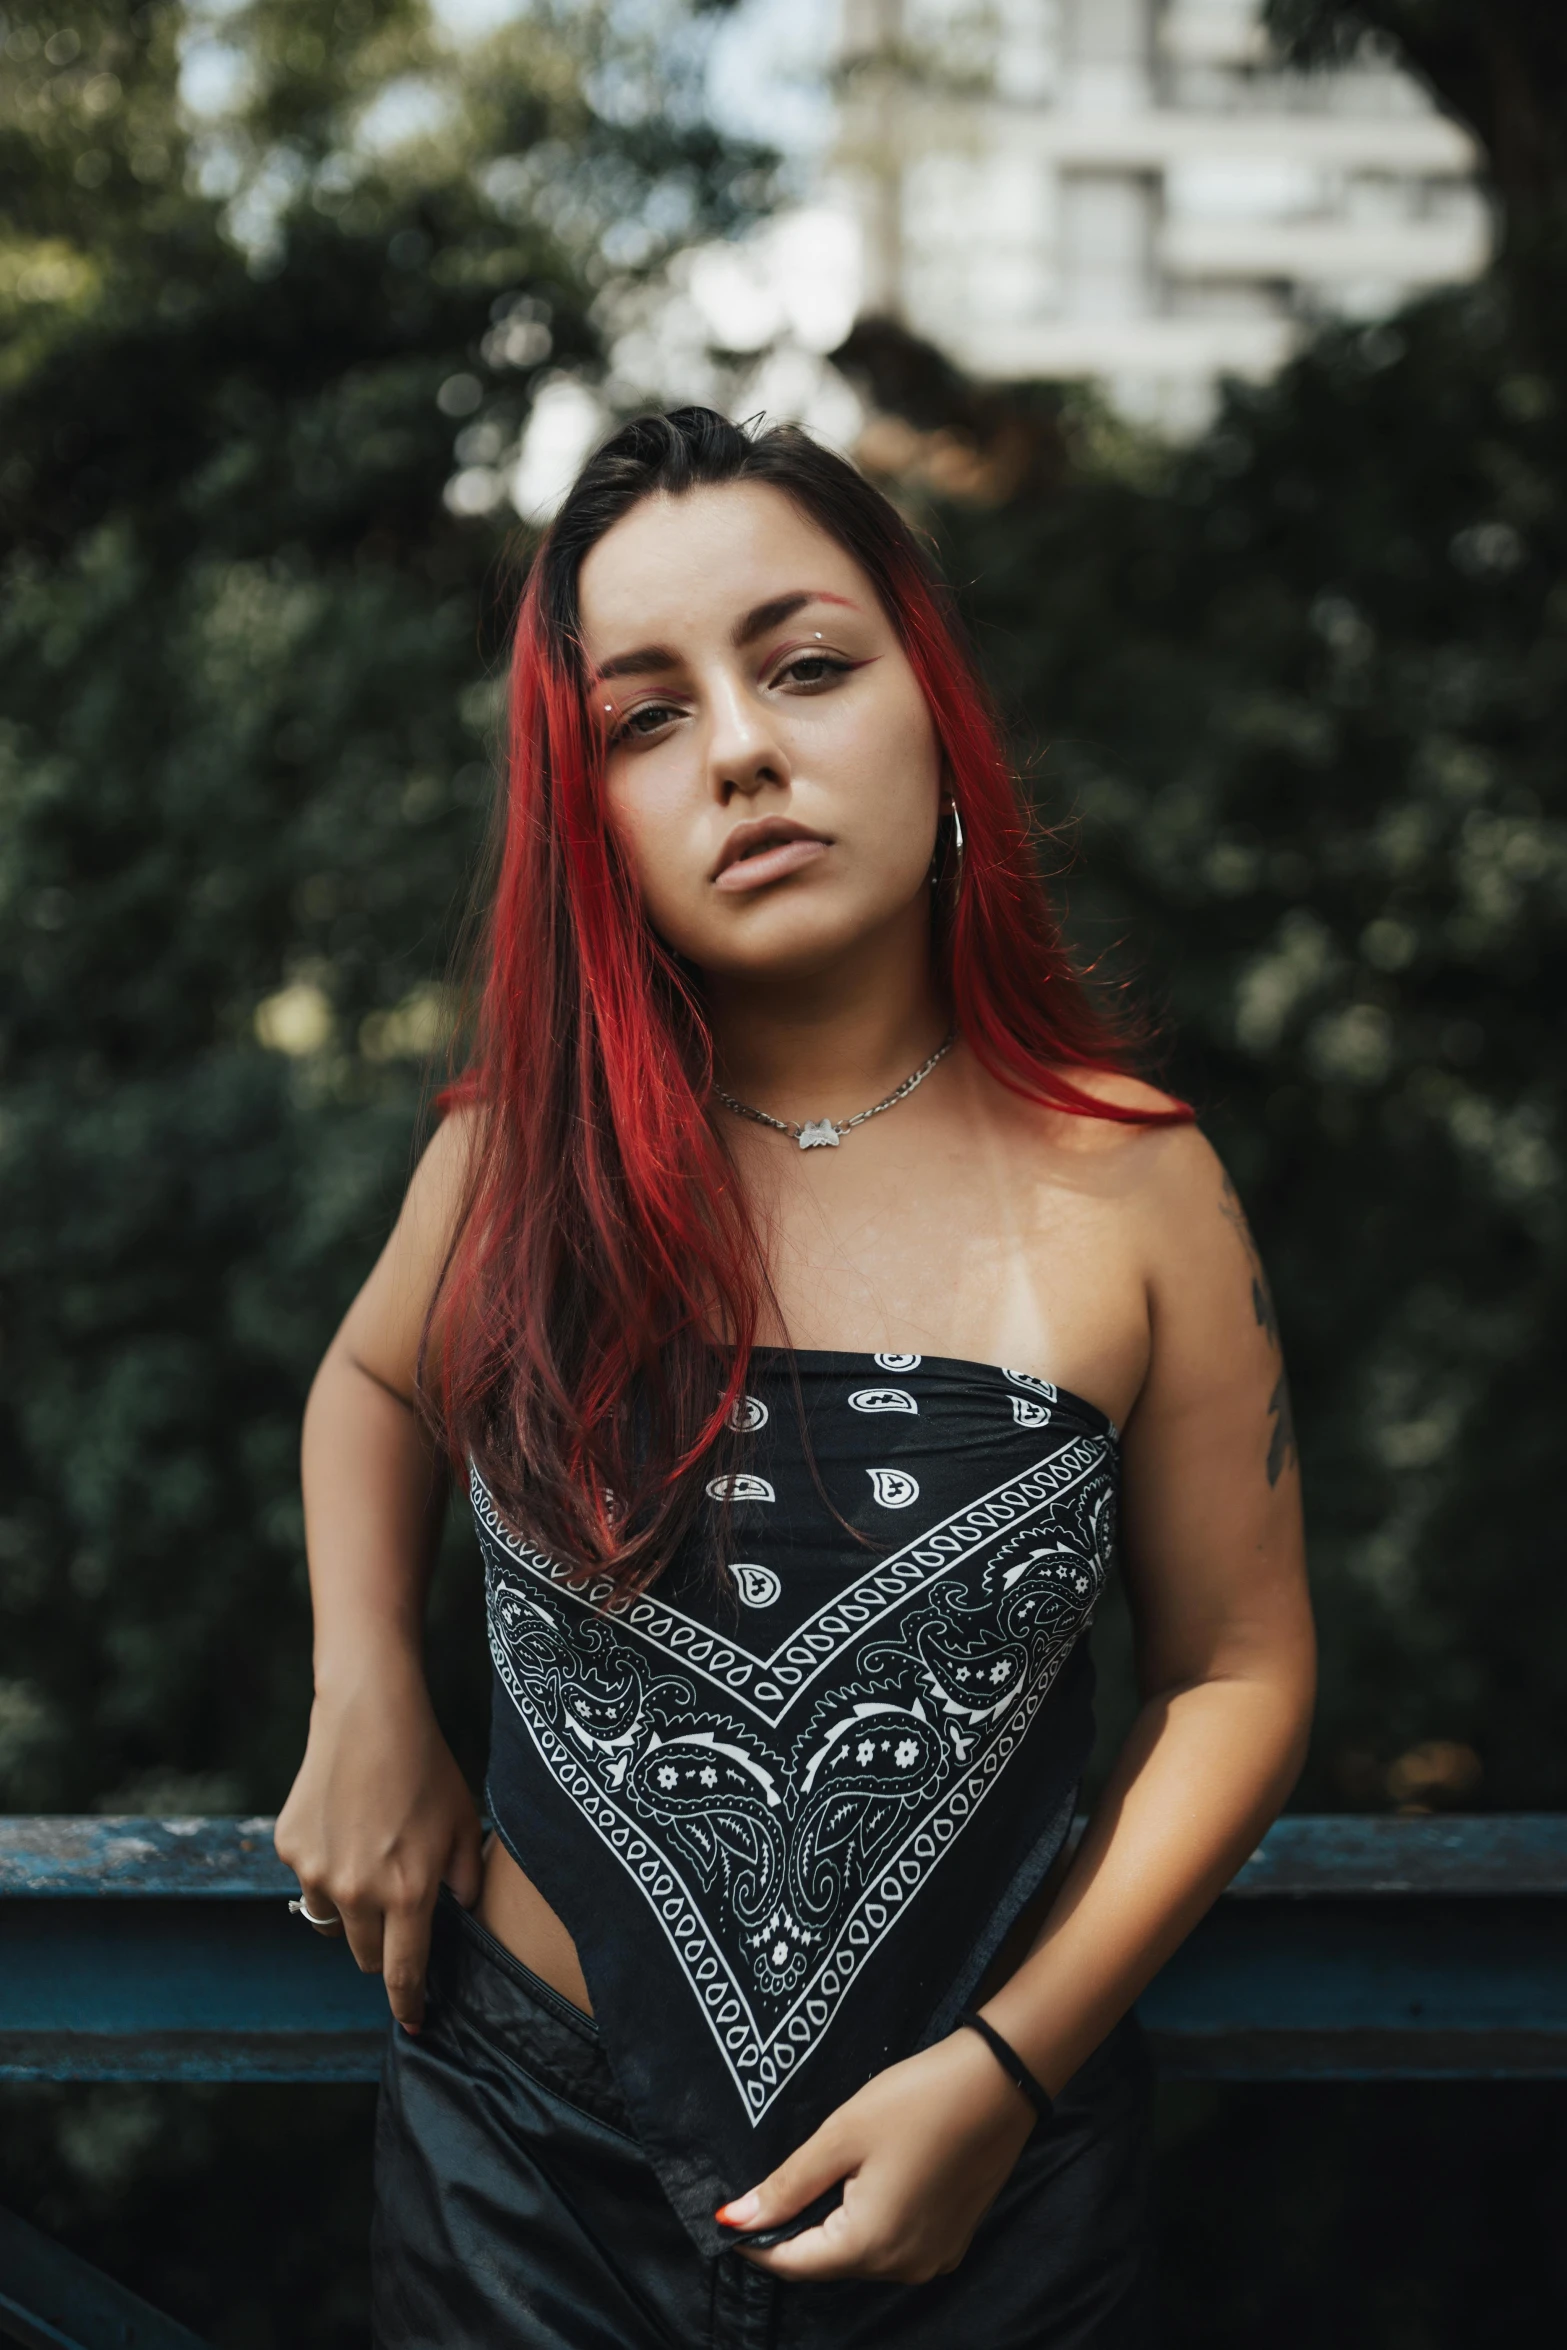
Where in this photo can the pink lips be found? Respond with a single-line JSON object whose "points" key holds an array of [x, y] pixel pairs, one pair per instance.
{"points": [[783, 848]]}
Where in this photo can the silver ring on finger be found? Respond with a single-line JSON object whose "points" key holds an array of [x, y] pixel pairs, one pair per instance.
{"points": [[299, 1908]]}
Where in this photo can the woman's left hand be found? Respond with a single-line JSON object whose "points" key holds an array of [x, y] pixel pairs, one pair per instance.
{"points": [[923, 2151]]}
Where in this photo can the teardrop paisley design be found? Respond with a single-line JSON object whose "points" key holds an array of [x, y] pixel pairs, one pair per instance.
{"points": [[895, 1489], [882, 1399], [741, 1487], [777, 1807], [747, 1413], [1027, 1413], [896, 1362], [758, 1586], [1039, 1386]]}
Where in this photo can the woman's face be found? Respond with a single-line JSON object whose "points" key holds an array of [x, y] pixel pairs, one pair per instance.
{"points": [[771, 764]]}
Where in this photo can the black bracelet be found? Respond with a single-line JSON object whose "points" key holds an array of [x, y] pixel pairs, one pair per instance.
{"points": [[1011, 2064]]}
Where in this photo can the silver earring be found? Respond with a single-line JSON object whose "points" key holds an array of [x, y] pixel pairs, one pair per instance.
{"points": [[937, 874]]}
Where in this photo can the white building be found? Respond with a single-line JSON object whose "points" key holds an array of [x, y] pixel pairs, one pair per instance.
{"points": [[1133, 190]]}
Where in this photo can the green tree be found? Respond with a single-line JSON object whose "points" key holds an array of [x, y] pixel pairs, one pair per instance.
{"points": [[1300, 693], [1303, 690], [263, 368], [247, 667]]}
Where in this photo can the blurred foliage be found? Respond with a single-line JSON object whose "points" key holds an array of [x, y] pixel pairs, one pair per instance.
{"points": [[1305, 697], [266, 344], [247, 675], [263, 358], [1298, 694]]}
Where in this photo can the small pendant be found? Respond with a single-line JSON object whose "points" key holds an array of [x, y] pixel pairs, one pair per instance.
{"points": [[819, 1134]]}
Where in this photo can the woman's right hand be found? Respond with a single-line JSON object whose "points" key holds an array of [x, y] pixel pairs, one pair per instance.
{"points": [[378, 1816]]}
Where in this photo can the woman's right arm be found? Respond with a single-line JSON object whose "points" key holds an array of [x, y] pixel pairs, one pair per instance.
{"points": [[379, 1813]]}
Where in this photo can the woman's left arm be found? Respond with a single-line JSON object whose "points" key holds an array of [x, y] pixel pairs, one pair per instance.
{"points": [[1214, 1561]]}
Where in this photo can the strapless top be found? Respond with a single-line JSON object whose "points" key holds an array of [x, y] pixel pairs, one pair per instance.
{"points": [[788, 1804]]}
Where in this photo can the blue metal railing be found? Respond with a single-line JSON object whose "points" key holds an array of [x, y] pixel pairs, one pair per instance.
{"points": [[1346, 1948]]}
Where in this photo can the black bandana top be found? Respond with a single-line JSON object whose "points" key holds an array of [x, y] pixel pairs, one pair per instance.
{"points": [[788, 1811]]}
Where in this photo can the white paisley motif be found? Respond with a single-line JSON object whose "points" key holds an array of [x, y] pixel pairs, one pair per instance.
{"points": [[897, 1362], [882, 1399], [778, 1812], [741, 1487], [1039, 1386], [759, 1586], [1027, 1413], [747, 1413], [893, 1488]]}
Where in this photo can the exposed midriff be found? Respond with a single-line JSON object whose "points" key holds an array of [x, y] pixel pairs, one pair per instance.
{"points": [[517, 1914]]}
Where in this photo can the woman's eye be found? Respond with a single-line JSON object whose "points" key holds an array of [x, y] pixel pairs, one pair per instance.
{"points": [[647, 718], [812, 669]]}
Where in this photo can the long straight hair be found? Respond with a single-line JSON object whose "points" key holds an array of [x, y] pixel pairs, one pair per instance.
{"points": [[588, 1341]]}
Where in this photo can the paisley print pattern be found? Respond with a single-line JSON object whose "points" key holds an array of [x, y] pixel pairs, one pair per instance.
{"points": [[895, 1489], [757, 1586], [882, 1399], [742, 1487], [780, 1780]]}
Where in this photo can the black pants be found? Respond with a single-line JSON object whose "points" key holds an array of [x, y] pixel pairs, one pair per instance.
{"points": [[515, 2209]]}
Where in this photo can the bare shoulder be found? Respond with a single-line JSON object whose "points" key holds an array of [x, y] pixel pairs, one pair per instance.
{"points": [[383, 1329], [439, 1184], [1147, 1138], [435, 1203], [1195, 1244], [1120, 1090], [1156, 1162]]}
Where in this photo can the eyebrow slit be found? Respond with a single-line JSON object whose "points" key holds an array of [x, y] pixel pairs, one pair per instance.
{"points": [[781, 608], [648, 659]]}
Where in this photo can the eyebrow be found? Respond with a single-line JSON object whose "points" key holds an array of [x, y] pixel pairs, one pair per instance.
{"points": [[782, 608], [756, 623]]}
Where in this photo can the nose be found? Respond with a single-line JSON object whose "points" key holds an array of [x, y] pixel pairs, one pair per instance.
{"points": [[744, 753]]}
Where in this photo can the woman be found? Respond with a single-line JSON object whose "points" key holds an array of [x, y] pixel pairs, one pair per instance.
{"points": [[777, 2009]]}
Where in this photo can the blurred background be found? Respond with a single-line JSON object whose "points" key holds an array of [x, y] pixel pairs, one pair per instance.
{"points": [[1222, 350]]}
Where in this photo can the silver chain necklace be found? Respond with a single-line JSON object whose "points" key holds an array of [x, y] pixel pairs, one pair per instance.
{"points": [[823, 1133]]}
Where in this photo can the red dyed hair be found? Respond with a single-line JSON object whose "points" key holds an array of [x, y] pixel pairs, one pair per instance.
{"points": [[590, 1334]]}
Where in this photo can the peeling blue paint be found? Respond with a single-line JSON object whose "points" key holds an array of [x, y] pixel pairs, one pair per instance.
{"points": [[142, 1859], [1348, 1947]]}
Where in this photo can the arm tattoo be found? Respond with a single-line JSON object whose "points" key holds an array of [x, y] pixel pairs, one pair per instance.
{"points": [[1281, 1439], [1262, 1307], [1281, 1444]]}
